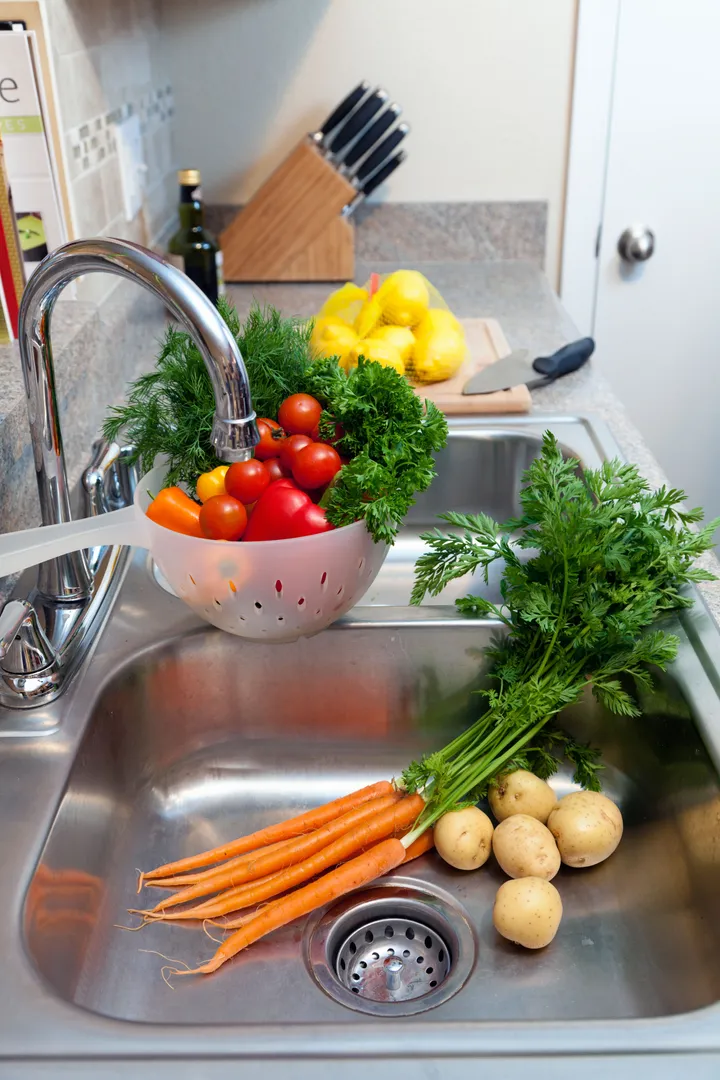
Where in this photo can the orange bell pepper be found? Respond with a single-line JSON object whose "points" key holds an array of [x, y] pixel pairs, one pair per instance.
{"points": [[175, 510]]}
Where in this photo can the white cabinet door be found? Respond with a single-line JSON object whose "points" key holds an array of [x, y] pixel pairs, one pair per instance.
{"points": [[657, 322]]}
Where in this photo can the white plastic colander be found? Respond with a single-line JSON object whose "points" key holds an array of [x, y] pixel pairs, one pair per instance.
{"points": [[274, 590]]}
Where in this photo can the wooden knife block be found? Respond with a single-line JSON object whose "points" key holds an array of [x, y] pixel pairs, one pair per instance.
{"points": [[291, 229]]}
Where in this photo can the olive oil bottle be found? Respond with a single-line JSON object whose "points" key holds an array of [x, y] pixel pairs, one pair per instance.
{"points": [[195, 250]]}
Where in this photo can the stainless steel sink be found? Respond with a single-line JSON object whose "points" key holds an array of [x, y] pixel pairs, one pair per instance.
{"points": [[176, 737]]}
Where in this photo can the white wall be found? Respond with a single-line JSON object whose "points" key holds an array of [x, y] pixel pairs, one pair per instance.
{"points": [[485, 85]]}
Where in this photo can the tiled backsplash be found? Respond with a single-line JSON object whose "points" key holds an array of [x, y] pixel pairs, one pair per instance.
{"points": [[108, 67]]}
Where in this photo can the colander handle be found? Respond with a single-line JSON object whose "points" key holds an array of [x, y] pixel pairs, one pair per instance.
{"points": [[18, 550]]}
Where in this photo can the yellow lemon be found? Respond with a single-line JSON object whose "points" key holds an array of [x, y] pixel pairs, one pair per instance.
{"points": [[337, 301], [369, 316], [382, 352], [438, 355], [404, 297], [401, 337], [437, 319], [332, 337]]}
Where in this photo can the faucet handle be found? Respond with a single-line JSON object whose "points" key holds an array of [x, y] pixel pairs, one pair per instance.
{"points": [[24, 646], [110, 479]]}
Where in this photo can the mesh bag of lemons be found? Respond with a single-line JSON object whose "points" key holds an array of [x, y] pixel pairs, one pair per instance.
{"points": [[399, 320]]}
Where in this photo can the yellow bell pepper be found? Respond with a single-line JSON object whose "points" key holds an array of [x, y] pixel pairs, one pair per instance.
{"points": [[211, 483]]}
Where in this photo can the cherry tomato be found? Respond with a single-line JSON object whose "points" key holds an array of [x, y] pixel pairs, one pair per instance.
{"points": [[271, 439], [223, 518], [274, 469], [246, 480], [315, 465], [290, 448], [299, 414]]}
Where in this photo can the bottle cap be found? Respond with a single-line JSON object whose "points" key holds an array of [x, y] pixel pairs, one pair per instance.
{"points": [[189, 177]]}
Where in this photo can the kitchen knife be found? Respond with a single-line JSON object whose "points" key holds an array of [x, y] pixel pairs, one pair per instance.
{"points": [[375, 181], [381, 153], [513, 370], [342, 112], [371, 137], [357, 122]]}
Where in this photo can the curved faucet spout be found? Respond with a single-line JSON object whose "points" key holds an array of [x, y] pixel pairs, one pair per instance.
{"points": [[234, 432]]}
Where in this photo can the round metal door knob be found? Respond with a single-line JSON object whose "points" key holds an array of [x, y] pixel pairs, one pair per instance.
{"points": [[636, 243]]}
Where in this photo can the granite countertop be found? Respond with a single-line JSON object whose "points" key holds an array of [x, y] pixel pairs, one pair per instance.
{"points": [[100, 349]]}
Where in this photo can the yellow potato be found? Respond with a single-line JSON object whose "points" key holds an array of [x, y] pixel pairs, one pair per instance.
{"points": [[463, 838], [528, 911], [524, 847], [587, 827], [521, 792]]}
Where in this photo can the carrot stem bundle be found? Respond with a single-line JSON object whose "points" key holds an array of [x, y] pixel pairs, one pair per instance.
{"points": [[387, 821], [359, 871], [284, 855], [284, 830]]}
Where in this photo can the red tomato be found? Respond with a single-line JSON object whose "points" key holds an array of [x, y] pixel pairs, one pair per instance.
{"points": [[223, 518], [271, 439], [314, 466], [246, 480], [299, 414], [290, 448], [274, 469]]}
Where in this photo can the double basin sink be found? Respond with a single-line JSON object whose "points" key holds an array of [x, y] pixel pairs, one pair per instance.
{"points": [[177, 736]]}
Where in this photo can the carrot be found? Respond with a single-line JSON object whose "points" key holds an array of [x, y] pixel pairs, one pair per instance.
{"points": [[419, 847], [181, 880], [387, 822], [175, 510], [285, 830], [360, 871], [285, 855]]}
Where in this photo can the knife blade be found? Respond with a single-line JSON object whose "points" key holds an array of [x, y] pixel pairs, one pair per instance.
{"points": [[381, 153], [514, 370], [370, 139], [357, 122], [341, 113], [373, 182]]}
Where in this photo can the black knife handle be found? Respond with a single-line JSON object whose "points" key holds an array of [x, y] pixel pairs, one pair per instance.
{"points": [[343, 110], [356, 123], [569, 358], [381, 175], [371, 136], [382, 152]]}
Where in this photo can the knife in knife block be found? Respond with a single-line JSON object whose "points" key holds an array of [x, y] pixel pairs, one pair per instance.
{"points": [[291, 229]]}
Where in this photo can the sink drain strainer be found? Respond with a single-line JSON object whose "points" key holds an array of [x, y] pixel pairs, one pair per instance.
{"points": [[392, 951], [393, 960]]}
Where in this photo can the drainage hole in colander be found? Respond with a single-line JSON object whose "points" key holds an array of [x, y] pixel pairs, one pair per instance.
{"points": [[258, 605], [191, 578], [301, 601], [218, 603], [281, 618], [233, 586], [361, 564], [340, 590], [319, 611], [323, 579], [278, 588]]}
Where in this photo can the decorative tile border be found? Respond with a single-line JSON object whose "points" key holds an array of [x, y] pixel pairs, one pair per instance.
{"points": [[94, 141]]}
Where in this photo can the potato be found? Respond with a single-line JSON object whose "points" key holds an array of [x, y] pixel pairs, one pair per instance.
{"points": [[463, 838], [521, 792], [587, 827], [528, 912], [524, 847]]}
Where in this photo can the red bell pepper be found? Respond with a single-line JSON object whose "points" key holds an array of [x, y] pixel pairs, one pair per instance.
{"points": [[283, 512]]}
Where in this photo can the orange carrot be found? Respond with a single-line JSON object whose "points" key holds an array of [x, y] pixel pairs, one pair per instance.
{"points": [[420, 846], [387, 822], [284, 830], [181, 880], [360, 871], [286, 855]]}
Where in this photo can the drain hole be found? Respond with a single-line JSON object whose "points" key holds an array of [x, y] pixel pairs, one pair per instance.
{"points": [[428, 971], [389, 931], [428, 942], [406, 952], [421, 960], [363, 964], [391, 952], [410, 933], [353, 947], [433, 982], [354, 989], [376, 956], [369, 936], [258, 605], [342, 963], [356, 977], [441, 956]]}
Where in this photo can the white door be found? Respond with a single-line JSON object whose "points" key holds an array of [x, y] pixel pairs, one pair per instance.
{"points": [[657, 322]]}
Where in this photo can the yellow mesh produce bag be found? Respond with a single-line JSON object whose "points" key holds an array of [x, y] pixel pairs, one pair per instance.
{"points": [[398, 319]]}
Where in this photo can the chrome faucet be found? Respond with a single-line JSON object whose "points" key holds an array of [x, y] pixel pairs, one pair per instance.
{"points": [[72, 589]]}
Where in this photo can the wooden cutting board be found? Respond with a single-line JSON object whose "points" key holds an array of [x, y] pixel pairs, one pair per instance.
{"points": [[486, 344]]}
